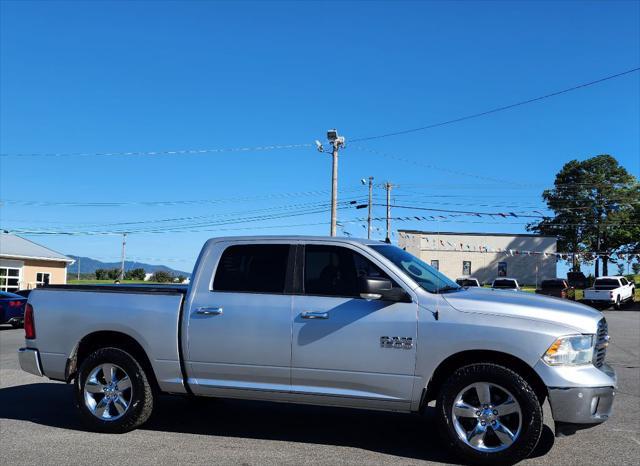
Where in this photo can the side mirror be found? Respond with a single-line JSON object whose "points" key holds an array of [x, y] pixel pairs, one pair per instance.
{"points": [[374, 287], [381, 288]]}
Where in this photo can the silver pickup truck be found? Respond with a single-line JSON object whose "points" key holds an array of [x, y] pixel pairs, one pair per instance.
{"points": [[328, 321]]}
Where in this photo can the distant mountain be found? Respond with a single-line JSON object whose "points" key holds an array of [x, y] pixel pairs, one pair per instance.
{"points": [[88, 265]]}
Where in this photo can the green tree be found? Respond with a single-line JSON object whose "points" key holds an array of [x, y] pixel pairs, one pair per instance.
{"points": [[181, 278], [101, 274], [113, 274], [596, 205], [636, 268], [162, 277], [135, 274]]}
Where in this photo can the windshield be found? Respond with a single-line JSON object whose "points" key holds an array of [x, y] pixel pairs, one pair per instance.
{"points": [[504, 284], [467, 282], [424, 275], [560, 284], [606, 284]]}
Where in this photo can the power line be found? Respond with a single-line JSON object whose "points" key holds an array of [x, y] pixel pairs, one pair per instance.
{"points": [[176, 220], [497, 109], [170, 229], [91, 204], [436, 220], [434, 167], [464, 212], [161, 152]]}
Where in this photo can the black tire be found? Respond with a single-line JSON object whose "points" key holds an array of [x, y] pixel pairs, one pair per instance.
{"points": [[16, 324], [531, 412], [618, 305], [142, 396]]}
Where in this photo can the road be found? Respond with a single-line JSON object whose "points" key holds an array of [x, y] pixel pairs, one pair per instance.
{"points": [[38, 424]]}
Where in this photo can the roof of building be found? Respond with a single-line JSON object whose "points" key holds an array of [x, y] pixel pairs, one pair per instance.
{"points": [[461, 233], [15, 247]]}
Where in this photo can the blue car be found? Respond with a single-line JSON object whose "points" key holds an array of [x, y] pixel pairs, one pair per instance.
{"points": [[12, 309]]}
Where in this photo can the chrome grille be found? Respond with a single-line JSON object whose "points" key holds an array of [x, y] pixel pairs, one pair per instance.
{"points": [[602, 341]]}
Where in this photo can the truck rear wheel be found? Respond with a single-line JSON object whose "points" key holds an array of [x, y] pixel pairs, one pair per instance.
{"points": [[618, 305], [113, 392], [489, 414]]}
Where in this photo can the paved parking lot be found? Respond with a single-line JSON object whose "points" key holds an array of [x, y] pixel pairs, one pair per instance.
{"points": [[38, 424]]}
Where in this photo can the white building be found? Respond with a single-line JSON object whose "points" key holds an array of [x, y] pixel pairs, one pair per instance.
{"points": [[485, 256]]}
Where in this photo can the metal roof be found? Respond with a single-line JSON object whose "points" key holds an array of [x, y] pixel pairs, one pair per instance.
{"points": [[15, 247]]}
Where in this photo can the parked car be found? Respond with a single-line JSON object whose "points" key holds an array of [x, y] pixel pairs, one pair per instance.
{"points": [[504, 283], [610, 291], [11, 309], [577, 280], [468, 281], [334, 322], [23, 293], [557, 287]]}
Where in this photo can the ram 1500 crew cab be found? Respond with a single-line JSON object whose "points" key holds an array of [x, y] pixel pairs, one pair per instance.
{"points": [[328, 321], [610, 291]]}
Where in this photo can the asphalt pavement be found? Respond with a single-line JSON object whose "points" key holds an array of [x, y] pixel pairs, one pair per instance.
{"points": [[39, 425]]}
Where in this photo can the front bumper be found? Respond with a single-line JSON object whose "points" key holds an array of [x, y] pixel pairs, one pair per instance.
{"points": [[29, 360], [580, 396], [584, 405]]}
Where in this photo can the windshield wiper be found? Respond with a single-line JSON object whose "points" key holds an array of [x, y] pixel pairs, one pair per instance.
{"points": [[444, 289]]}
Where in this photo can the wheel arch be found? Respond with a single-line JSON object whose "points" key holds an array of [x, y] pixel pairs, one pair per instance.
{"points": [[466, 358], [109, 339]]}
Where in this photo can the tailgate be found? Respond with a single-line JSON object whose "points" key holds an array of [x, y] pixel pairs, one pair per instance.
{"points": [[598, 294]]}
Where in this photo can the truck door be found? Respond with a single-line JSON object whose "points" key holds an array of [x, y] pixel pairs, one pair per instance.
{"points": [[239, 323], [344, 345]]}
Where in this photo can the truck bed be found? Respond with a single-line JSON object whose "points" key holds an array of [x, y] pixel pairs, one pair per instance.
{"points": [[134, 288], [150, 314]]}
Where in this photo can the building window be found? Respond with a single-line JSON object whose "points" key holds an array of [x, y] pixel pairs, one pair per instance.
{"points": [[502, 269], [9, 279], [466, 267], [42, 278], [435, 264]]}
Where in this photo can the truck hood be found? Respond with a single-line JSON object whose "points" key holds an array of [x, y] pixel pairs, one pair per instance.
{"points": [[578, 317]]}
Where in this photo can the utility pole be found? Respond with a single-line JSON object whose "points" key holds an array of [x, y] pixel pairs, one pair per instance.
{"points": [[370, 206], [78, 268], [124, 246], [334, 191], [336, 142], [388, 186]]}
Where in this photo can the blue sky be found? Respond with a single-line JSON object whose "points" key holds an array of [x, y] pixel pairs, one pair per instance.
{"points": [[96, 77]]}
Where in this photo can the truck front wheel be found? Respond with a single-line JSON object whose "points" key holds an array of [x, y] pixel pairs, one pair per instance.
{"points": [[113, 392], [489, 414]]}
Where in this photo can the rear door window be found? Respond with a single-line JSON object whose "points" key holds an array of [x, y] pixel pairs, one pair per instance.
{"points": [[253, 268]]}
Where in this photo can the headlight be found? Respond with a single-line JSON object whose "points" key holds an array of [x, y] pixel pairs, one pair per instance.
{"points": [[572, 350]]}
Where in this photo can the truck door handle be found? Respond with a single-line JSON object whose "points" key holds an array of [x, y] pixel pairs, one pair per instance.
{"points": [[209, 311], [314, 315]]}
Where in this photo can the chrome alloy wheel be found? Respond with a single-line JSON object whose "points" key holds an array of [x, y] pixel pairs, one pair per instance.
{"points": [[487, 417], [108, 392]]}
